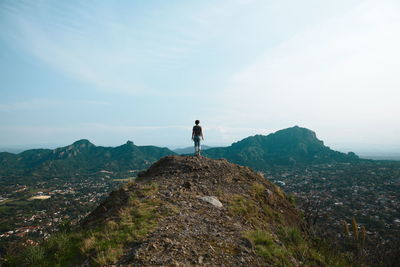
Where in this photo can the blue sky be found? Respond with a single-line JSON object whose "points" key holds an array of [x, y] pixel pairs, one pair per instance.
{"points": [[112, 71]]}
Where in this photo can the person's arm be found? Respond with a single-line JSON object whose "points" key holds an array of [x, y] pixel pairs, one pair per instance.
{"points": [[201, 133], [193, 134]]}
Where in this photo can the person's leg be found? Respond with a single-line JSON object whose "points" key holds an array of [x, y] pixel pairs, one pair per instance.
{"points": [[196, 145], [199, 147]]}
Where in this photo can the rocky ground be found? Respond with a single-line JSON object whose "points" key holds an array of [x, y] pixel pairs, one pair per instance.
{"points": [[205, 208]]}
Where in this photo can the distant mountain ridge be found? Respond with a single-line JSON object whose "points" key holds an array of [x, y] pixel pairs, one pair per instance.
{"points": [[81, 157], [291, 146]]}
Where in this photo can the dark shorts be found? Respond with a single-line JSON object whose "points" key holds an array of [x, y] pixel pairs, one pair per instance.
{"points": [[196, 140]]}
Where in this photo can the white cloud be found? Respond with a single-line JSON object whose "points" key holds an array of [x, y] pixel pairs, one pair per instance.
{"points": [[339, 77], [73, 57], [128, 55], [97, 47], [45, 104]]}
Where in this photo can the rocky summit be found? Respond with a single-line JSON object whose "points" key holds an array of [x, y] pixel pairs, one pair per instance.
{"points": [[200, 211]]}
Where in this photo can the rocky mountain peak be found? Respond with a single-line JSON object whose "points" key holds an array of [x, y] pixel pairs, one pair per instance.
{"points": [[196, 211], [291, 146], [82, 143], [129, 143], [297, 134]]}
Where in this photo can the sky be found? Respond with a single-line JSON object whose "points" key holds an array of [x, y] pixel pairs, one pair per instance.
{"points": [[112, 71]]}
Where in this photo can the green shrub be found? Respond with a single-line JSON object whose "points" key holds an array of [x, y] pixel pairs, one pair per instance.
{"points": [[272, 214], [33, 255], [291, 236], [267, 248], [242, 206], [58, 250], [103, 245], [291, 198], [257, 189], [135, 221]]}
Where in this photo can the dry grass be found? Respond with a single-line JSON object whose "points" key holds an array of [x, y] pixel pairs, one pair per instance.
{"points": [[88, 243], [135, 221], [279, 192], [257, 189]]}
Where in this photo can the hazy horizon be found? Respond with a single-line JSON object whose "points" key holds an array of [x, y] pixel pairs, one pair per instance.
{"points": [[144, 71], [372, 151]]}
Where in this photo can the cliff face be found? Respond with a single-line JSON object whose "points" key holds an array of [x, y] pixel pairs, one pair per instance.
{"points": [[186, 211]]}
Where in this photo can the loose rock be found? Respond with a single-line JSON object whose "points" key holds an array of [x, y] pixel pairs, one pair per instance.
{"points": [[212, 200]]}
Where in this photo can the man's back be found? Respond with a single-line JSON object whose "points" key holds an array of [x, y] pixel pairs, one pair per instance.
{"points": [[197, 130]]}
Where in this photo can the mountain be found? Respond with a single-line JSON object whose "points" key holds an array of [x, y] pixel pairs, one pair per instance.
{"points": [[81, 157], [189, 150], [289, 146], [292, 146], [187, 211]]}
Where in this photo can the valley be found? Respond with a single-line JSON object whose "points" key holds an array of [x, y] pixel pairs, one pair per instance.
{"points": [[331, 188], [329, 194], [32, 210], [333, 194]]}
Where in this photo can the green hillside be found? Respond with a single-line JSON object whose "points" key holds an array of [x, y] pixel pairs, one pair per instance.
{"points": [[289, 146], [82, 157]]}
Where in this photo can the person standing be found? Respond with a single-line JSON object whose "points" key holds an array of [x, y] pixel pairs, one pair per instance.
{"points": [[197, 133]]}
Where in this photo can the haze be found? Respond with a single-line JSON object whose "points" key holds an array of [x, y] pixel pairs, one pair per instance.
{"points": [[111, 71]]}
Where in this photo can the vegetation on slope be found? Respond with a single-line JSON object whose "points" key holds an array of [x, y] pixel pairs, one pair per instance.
{"points": [[161, 219], [290, 146], [105, 241], [82, 157]]}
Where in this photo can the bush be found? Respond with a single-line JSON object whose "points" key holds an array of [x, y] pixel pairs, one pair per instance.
{"points": [[267, 248], [33, 255], [103, 245], [291, 236]]}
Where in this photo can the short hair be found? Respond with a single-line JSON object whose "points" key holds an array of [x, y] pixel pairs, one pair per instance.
{"points": [[197, 122]]}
